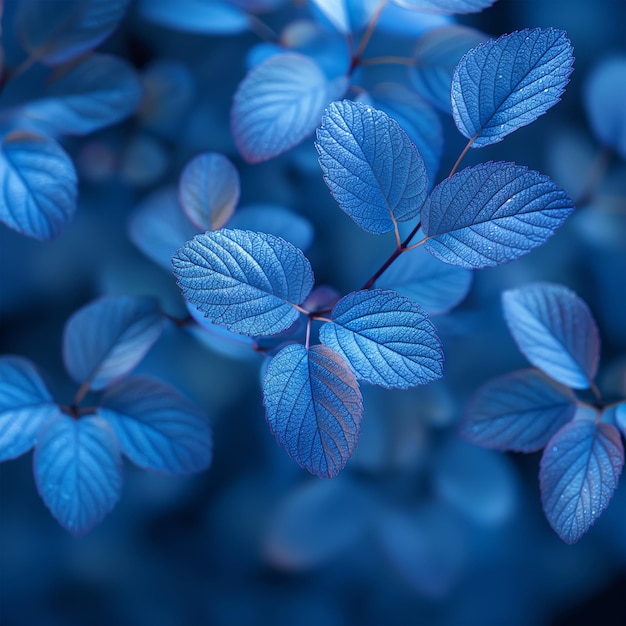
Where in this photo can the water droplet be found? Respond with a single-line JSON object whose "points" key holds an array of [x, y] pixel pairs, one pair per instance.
{"points": [[545, 91], [555, 448]]}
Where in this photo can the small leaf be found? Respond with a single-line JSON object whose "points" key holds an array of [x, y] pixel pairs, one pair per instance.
{"points": [[620, 417], [336, 12], [38, 184], [313, 407], [387, 339], [78, 471], [370, 165], [509, 82], [244, 280], [107, 338], [158, 428], [100, 91], [209, 190], [279, 103], [491, 214], [55, 32], [437, 287], [555, 331], [519, 411], [446, 6], [579, 471], [25, 406]]}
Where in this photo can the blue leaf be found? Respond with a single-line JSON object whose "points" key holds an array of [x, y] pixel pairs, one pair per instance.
{"points": [[579, 471], [25, 406], [336, 12], [492, 214], [38, 184], [196, 16], [519, 411], [446, 6], [209, 190], [555, 331], [158, 226], [370, 165], [313, 407], [620, 417], [509, 82], [387, 339], [279, 103], [436, 286], [436, 55], [78, 471], [158, 428], [244, 280], [107, 338], [605, 102], [55, 32], [100, 91]]}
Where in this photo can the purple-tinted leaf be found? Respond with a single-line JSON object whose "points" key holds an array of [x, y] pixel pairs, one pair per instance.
{"points": [[78, 471], [446, 6], [579, 471], [107, 338], [555, 331]]}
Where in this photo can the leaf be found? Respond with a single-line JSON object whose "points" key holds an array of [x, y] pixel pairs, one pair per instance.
{"points": [[370, 165], [579, 471], [313, 407], [509, 82], [605, 102], [209, 190], [446, 6], [387, 339], [620, 417], [38, 184], [279, 103], [246, 281], [100, 91], [555, 331], [107, 338], [519, 411], [437, 287], [55, 32], [336, 12], [491, 214], [158, 428], [25, 406]]}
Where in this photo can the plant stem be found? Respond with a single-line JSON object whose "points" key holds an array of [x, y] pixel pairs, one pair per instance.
{"points": [[368, 33], [462, 155], [387, 61]]}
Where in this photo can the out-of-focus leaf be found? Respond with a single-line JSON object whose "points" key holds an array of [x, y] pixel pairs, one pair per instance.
{"points": [[336, 12], [620, 417], [446, 6]]}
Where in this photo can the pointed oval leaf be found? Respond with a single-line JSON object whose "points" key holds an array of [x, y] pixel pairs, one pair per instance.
{"points": [[279, 103], [555, 331], [509, 82], [371, 167], [38, 183], [100, 91], [108, 337], [336, 12], [446, 6], [579, 471], [387, 339], [78, 471], [25, 406], [519, 411], [313, 407], [55, 32], [620, 417], [158, 428], [437, 287], [491, 214], [209, 190], [244, 280]]}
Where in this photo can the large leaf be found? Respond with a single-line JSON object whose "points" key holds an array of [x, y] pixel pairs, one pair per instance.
{"points": [[158, 428], [313, 407], [446, 6], [579, 471], [107, 338], [55, 32], [491, 214], [78, 471], [370, 165], [509, 82], [279, 103], [555, 331], [244, 280], [387, 339], [518, 411], [25, 406], [38, 185]]}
